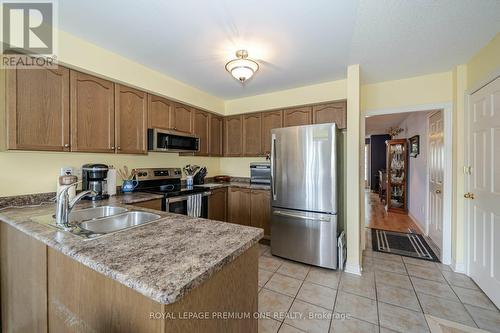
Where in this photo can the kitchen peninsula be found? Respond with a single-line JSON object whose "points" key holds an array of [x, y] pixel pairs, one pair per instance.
{"points": [[152, 278]]}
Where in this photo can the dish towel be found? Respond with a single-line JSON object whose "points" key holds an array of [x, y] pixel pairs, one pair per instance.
{"points": [[194, 205]]}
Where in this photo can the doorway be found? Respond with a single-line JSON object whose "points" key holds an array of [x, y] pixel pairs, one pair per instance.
{"points": [[483, 189], [433, 222]]}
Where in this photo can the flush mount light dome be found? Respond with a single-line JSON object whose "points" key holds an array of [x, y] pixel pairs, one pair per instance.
{"points": [[242, 68]]}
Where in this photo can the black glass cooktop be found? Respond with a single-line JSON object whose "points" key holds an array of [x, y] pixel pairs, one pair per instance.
{"points": [[174, 191]]}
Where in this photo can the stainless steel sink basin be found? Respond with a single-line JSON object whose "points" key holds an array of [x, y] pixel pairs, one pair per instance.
{"points": [[118, 222], [87, 214]]}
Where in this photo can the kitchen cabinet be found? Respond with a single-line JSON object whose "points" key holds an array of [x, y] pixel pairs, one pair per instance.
{"points": [[92, 113], [260, 207], [239, 206], [270, 120], [217, 205], [233, 136], [182, 118], [215, 136], [155, 204], [331, 113], [131, 110], [297, 116], [159, 112], [252, 145], [38, 115], [201, 127]]}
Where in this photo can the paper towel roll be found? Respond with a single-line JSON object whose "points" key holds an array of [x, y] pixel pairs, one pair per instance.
{"points": [[111, 181]]}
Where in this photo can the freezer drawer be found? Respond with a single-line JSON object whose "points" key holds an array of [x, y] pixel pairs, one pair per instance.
{"points": [[307, 237]]}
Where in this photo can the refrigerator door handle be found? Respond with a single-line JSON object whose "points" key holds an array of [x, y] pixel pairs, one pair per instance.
{"points": [[273, 165], [302, 217]]}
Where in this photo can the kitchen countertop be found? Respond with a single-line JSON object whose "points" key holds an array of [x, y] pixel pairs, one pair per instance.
{"points": [[163, 260], [239, 184]]}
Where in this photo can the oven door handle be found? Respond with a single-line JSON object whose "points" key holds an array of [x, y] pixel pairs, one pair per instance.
{"points": [[185, 197]]}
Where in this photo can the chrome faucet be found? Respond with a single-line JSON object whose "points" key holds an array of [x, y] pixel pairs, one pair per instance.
{"points": [[64, 205]]}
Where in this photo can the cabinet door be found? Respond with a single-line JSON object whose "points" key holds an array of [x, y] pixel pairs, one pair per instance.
{"points": [[297, 116], [217, 205], [261, 210], [92, 113], [215, 148], [233, 136], [159, 112], [182, 118], [252, 135], [239, 206], [38, 109], [201, 129], [131, 109], [270, 120], [331, 113]]}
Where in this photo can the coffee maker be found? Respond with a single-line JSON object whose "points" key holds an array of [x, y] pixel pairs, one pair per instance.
{"points": [[94, 178]]}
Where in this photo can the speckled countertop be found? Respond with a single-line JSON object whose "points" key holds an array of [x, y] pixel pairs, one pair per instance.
{"points": [[162, 260], [239, 184]]}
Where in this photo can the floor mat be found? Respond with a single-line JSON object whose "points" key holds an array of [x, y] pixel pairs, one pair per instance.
{"points": [[404, 244]]}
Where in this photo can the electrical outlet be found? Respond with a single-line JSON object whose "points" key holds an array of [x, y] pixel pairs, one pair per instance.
{"points": [[67, 170]]}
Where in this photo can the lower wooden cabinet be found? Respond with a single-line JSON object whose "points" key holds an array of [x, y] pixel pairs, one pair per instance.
{"points": [[155, 204], [260, 206], [250, 208], [217, 205], [239, 206]]}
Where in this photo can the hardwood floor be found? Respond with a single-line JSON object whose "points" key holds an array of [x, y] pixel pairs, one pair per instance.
{"points": [[376, 216]]}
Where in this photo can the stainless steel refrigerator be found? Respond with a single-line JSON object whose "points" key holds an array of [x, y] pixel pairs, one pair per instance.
{"points": [[305, 188]]}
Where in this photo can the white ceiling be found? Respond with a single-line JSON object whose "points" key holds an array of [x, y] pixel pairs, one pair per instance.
{"points": [[297, 42]]}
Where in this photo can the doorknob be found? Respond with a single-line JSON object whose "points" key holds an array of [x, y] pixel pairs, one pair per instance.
{"points": [[469, 195], [438, 191]]}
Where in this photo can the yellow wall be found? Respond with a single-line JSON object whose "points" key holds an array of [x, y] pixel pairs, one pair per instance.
{"points": [[237, 166], [353, 176], [323, 92], [418, 90], [484, 63], [37, 172]]}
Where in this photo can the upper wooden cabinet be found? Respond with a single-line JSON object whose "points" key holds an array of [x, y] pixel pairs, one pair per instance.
{"points": [[159, 112], [201, 129], [38, 109], [216, 125], [181, 119], [239, 206], [233, 136], [331, 113], [270, 120], [131, 109], [297, 116], [252, 145], [92, 113]]}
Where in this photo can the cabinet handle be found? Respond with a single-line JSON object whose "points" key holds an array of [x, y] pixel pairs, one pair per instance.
{"points": [[112, 147], [119, 148], [66, 145]]}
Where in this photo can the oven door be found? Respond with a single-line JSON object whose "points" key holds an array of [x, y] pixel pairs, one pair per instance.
{"points": [[178, 205]]}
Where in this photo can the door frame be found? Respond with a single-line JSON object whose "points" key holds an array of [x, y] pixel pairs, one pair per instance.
{"points": [[448, 169], [467, 160]]}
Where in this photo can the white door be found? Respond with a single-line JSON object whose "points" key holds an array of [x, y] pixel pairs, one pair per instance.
{"points": [[484, 184], [436, 177]]}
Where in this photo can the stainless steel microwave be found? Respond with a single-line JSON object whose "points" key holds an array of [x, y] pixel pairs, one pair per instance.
{"points": [[172, 141]]}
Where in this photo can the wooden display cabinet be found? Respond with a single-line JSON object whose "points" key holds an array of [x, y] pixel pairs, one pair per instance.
{"points": [[397, 175]]}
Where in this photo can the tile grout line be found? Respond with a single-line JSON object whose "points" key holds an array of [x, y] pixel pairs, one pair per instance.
{"points": [[341, 273], [459, 299], [416, 295], [293, 301]]}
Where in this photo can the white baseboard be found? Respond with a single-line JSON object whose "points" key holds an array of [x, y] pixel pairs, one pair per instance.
{"points": [[417, 222], [458, 267], [352, 269]]}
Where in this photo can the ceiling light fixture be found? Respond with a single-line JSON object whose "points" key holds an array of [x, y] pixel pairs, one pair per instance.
{"points": [[242, 68]]}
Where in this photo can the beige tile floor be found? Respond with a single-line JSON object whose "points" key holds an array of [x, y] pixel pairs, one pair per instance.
{"points": [[392, 295]]}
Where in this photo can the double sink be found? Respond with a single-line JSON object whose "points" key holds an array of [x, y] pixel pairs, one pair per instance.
{"points": [[99, 221]]}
